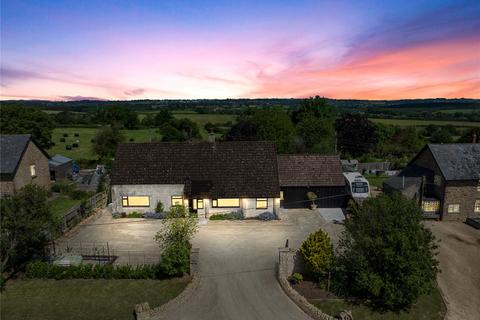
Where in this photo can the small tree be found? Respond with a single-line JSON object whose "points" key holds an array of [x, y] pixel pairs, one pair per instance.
{"points": [[106, 142], [178, 227], [387, 256], [317, 252], [159, 207], [312, 197]]}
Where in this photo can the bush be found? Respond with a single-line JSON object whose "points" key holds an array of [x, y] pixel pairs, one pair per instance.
{"points": [[62, 140], [135, 214], [154, 215], [78, 194], [295, 278], [63, 186], [46, 270], [235, 215], [175, 260], [267, 216], [159, 207], [317, 252]]}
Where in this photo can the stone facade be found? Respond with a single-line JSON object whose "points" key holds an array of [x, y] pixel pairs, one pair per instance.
{"points": [[463, 193], [31, 156]]}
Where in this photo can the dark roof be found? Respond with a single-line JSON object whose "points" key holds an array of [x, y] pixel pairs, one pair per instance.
{"points": [[457, 161], [11, 151], [310, 170], [217, 170]]}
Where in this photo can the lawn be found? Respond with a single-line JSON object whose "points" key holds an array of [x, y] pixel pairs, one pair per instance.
{"points": [[61, 204], [424, 123], [84, 150], [84, 299], [428, 307]]}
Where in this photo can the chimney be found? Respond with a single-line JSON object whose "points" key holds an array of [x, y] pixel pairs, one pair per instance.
{"points": [[211, 136]]}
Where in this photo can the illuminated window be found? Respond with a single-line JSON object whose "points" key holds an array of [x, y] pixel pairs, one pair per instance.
{"points": [[226, 203], [177, 200], [281, 195], [200, 203], [431, 206], [478, 185], [136, 201], [33, 171], [477, 206], [454, 208], [262, 203]]}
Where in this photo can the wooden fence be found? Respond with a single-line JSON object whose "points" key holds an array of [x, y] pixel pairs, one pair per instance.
{"points": [[83, 210]]}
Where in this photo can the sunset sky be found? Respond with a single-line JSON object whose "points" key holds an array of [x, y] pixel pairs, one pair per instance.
{"points": [[70, 50]]}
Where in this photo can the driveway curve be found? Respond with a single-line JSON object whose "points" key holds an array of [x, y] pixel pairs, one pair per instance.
{"points": [[238, 269]]}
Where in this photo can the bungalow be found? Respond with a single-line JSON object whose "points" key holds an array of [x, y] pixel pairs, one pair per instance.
{"points": [[444, 178], [207, 177], [320, 174], [22, 162]]}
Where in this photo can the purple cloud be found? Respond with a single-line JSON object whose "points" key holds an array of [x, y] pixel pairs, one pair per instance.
{"points": [[134, 92], [80, 98]]}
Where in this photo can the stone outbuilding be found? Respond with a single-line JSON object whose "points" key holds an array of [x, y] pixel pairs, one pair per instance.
{"points": [[22, 161]]}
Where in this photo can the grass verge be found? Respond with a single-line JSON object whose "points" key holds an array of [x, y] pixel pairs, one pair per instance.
{"points": [[428, 307], [84, 299]]}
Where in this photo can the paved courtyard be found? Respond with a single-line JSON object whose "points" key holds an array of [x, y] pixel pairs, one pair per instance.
{"points": [[459, 259]]}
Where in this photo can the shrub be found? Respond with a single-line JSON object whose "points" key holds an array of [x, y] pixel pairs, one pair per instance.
{"points": [[234, 215], [62, 140], [175, 260], [154, 215], [135, 214], [317, 252], [296, 278], [63, 186], [159, 207], [46, 270], [78, 194], [267, 216]]}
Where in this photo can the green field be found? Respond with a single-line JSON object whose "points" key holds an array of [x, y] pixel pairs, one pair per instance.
{"points": [[84, 150], [424, 123], [61, 204], [428, 307], [84, 299]]}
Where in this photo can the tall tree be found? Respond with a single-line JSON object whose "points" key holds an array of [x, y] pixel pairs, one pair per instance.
{"points": [[24, 120], [244, 130], [106, 142], [387, 255], [355, 134], [162, 117], [275, 125]]}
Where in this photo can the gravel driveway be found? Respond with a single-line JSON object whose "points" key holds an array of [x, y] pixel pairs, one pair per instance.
{"points": [[238, 268], [459, 258]]}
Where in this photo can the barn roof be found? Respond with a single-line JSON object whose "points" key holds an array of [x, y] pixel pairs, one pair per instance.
{"points": [[457, 161], [310, 171]]}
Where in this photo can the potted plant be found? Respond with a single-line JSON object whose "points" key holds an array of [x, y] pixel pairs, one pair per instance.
{"points": [[312, 197]]}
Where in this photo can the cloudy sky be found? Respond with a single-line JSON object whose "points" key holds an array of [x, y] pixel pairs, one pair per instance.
{"points": [[68, 50]]}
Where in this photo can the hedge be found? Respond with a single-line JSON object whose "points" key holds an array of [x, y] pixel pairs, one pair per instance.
{"points": [[93, 271]]}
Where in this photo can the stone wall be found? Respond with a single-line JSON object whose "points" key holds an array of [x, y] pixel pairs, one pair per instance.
{"points": [[287, 260], [463, 193]]}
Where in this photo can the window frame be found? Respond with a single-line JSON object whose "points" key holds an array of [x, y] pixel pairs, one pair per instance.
{"points": [[476, 206], [33, 171], [202, 202], [215, 203], [176, 198], [429, 204], [125, 198], [257, 200], [453, 206]]}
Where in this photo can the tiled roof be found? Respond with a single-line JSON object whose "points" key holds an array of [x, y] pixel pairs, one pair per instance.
{"points": [[217, 170], [11, 151], [310, 170], [457, 161]]}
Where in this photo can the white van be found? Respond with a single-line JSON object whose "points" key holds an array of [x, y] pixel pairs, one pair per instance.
{"points": [[357, 185]]}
